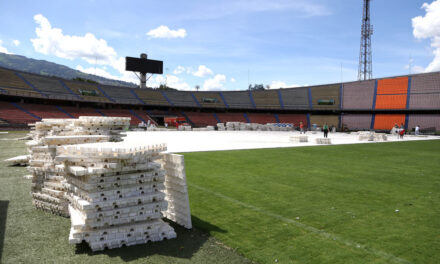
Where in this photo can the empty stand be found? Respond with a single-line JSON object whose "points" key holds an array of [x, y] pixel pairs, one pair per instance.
{"points": [[15, 115], [424, 121], [267, 99], [49, 86], [424, 101], [387, 121], [357, 122], [326, 96], [293, 119], [392, 101], [231, 117], [358, 95], [8, 79], [120, 95], [45, 111], [209, 99], [320, 120], [151, 97], [392, 93], [143, 115], [426, 83], [80, 111], [181, 98], [202, 119], [261, 118], [238, 99], [88, 90], [295, 98]]}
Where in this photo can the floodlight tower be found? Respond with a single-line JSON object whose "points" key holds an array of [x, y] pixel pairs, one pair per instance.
{"points": [[365, 71]]}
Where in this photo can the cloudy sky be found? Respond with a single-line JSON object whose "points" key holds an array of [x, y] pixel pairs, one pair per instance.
{"points": [[225, 45]]}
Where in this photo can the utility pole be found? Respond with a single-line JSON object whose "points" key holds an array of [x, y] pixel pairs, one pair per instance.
{"points": [[365, 71]]}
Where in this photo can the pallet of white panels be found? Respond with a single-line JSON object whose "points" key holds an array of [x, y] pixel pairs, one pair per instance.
{"points": [[323, 141], [116, 193], [372, 136], [176, 190], [299, 139]]}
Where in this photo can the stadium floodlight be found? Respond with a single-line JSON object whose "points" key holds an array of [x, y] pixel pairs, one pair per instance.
{"points": [[143, 66]]}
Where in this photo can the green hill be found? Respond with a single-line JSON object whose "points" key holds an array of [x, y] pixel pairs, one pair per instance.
{"points": [[21, 63]]}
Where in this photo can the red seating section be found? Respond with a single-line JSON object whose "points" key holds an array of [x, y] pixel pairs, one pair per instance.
{"points": [[144, 116], [80, 111], [293, 119], [262, 118], [387, 121], [231, 117], [392, 93], [202, 119], [14, 115], [45, 111]]}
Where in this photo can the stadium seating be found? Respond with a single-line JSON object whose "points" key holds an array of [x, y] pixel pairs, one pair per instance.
{"points": [[267, 99], [202, 119], [425, 91], [181, 98], [231, 117], [387, 121], [8, 79], [121, 95], [424, 101], [424, 121], [392, 93], [80, 111], [293, 119], [295, 98], [209, 99], [92, 88], [238, 99], [151, 97], [261, 118], [320, 120], [143, 115], [325, 93], [45, 111], [49, 86], [15, 115], [358, 95], [357, 121]]}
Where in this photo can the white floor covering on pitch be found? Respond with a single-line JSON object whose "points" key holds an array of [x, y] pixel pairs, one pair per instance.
{"points": [[193, 141]]}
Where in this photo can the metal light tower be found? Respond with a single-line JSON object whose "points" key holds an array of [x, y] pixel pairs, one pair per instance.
{"points": [[365, 61]]}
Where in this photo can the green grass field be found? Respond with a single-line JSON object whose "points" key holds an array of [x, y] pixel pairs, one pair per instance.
{"points": [[330, 204]]}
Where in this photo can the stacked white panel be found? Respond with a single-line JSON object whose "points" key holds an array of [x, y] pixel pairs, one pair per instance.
{"points": [[116, 194], [176, 190]]}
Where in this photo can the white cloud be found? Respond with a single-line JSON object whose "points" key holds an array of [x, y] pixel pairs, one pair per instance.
{"points": [[52, 41], [281, 84], [16, 42], [202, 71], [171, 81], [428, 27], [3, 49], [179, 70], [232, 80], [164, 32], [215, 83]]}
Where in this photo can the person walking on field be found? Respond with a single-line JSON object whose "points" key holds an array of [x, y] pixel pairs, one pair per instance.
{"points": [[301, 128], [325, 128]]}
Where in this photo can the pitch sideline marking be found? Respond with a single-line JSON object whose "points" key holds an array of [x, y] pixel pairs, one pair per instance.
{"points": [[311, 229]]}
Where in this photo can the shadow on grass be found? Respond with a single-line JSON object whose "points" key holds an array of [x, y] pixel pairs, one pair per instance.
{"points": [[3, 215], [187, 243]]}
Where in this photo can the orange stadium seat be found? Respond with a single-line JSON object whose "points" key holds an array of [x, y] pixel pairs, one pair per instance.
{"points": [[397, 85], [394, 101], [387, 121]]}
